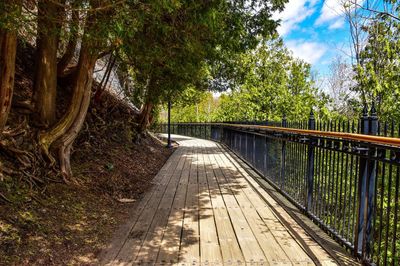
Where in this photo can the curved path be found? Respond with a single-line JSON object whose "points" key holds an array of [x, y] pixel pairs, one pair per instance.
{"points": [[205, 209]]}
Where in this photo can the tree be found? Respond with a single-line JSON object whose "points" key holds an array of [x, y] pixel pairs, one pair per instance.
{"points": [[49, 23], [167, 51], [183, 44], [62, 135], [273, 83], [73, 37], [379, 12], [9, 12], [371, 22], [341, 83], [168, 47], [379, 68], [193, 106]]}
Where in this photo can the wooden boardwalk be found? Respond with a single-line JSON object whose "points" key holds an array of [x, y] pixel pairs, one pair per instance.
{"points": [[204, 210]]}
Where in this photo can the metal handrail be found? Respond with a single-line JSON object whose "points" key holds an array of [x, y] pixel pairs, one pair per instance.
{"points": [[339, 135], [372, 139], [348, 183]]}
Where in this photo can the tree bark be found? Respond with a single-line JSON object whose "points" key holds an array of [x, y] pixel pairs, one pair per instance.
{"points": [[8, 48], [45, 84], [145, 116], [84, 83], [66, 130], [71, 46], [62, 135]]}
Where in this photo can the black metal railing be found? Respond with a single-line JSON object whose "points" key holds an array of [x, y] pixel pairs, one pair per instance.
{"points": [[347, 183]]}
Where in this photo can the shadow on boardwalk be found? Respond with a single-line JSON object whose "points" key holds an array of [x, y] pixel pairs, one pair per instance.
{"points": [[203, 210]]}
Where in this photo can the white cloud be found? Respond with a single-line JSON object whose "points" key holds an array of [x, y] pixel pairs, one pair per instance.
{"points": [[332, 13], [310, 52], [294, 13], [337, 24], [331, 10]]}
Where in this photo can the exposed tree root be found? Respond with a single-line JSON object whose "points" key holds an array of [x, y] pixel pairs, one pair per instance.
{"points": [[4, 198], [19, 130], [26, 105], [24, 161]]}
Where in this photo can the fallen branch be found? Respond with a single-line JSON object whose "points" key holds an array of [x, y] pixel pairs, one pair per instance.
{"points": [[123, 200]]}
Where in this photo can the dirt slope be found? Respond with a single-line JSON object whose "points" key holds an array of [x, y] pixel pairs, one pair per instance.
{"points": [[47, 222]]}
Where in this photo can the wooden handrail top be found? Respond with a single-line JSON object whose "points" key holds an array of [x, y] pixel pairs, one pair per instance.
{"points": [[340, 135]]}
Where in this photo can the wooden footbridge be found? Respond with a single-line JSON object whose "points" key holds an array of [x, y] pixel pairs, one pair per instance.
{"points": [[208, 208]]}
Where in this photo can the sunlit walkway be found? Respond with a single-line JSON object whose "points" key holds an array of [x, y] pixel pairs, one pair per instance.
{"points": [[203, 209]]}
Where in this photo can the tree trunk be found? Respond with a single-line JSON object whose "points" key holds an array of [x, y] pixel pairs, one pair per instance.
{"points": [[145, 116], [71, 46], [45, 86], [83, 82], [66, 130], [8, 48]]}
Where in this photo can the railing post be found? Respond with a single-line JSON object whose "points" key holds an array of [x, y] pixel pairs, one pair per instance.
{"points": [[283, 154], [169, 143], [310, 164], [371, 181], [362, 191]]}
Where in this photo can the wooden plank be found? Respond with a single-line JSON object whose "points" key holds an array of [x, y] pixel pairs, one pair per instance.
{"points": [[247, 240], [151, 245], [272, 250], [209, 244], [292, 248], [284, 237], [215, 193], [168, 248], [149, 250], [108, 257], [230, 249], [190, 242], [204, 210], [280, 234], [138, 233]]}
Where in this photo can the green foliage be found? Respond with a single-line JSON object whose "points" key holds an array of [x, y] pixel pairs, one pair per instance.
{"points": [[194, 106], [166, 52], [377, 73], [175, 45], [275, 83], [11, 17]]}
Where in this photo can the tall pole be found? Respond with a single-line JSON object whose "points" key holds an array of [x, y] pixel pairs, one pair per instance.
{"points": [[169, 145]]}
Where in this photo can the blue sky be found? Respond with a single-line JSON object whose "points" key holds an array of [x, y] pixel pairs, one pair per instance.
{"points": [[315, 30]]}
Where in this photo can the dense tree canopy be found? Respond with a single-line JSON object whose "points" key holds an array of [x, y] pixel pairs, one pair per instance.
{"points": [[164, 49], [378, 71], [370, 72], [273, 83]]}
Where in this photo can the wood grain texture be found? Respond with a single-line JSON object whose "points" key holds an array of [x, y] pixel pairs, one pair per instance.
{"points": [[205, 209]]}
